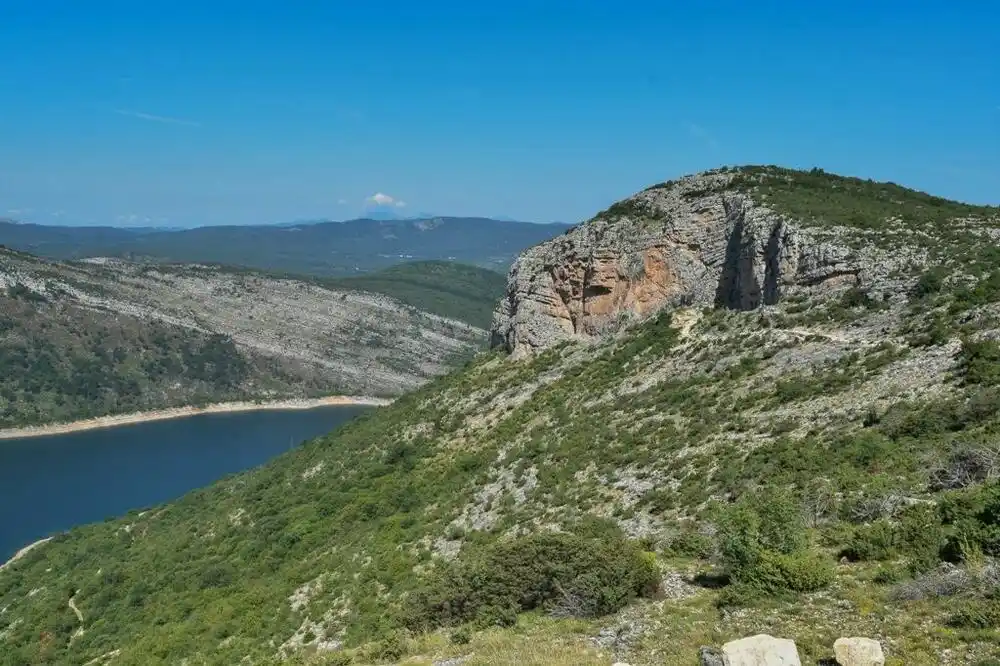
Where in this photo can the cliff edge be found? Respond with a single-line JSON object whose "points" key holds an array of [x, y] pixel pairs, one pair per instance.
{"points": [[709, 239]]}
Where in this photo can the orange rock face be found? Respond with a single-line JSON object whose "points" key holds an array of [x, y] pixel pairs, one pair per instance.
{"points": [[595, 292]]}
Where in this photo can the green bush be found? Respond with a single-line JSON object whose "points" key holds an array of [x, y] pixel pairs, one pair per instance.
{"points": [[803, 571], [740, 594], [461, 636], [764, 548], [921, 537], [565, 573], [977, 614], [930, 282], [980, 362], [971, 518], [873, 542], [768, 520], [390, 648], [888, 575], [692, 543]]}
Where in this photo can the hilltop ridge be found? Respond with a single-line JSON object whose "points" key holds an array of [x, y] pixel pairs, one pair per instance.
{"points": [[738, 238], [678, 466], [326, 248]]}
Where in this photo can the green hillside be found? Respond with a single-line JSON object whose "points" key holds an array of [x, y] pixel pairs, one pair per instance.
{"points": [[457, 291], [827, 466]]}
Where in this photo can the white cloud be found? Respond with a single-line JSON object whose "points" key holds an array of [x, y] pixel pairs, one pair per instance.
{"points": [[379, 199], [157, 119]]}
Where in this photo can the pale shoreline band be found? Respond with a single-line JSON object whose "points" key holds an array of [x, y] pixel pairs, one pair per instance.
{"points": [[179, 412], [24, 551]]}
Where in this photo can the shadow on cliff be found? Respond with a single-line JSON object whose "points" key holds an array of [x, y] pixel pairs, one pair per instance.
{"points": [[738, 288]]}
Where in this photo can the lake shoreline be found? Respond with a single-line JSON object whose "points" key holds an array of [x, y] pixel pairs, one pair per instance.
{"points": [[181, 412], [24, 551]]}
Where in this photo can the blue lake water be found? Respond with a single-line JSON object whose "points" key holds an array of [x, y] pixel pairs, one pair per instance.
{"points": [[49, 484]]}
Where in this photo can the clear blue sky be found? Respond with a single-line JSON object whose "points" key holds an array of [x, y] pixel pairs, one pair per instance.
{"points": [[210, 112]]}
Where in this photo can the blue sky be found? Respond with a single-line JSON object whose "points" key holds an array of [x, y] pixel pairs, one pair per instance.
{"points": [[186, 113]]}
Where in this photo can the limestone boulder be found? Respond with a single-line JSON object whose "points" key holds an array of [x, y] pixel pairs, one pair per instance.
{"points": [[858, 651], [761, 650]]}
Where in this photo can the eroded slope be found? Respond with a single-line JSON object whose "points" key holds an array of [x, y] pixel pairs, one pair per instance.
{"points": [[141, 337]]}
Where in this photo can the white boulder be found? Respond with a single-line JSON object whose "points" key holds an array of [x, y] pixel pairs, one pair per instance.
{"points": [[858, 652], [761, 650]]}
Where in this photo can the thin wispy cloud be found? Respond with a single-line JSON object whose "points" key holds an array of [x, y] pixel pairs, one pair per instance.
{"points": [[157, 119]]}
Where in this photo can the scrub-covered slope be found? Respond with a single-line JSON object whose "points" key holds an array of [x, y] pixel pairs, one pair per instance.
{"points": [[812, 457], [85, 339]]}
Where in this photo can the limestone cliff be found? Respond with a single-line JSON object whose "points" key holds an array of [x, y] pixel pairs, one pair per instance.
{"points": [[702, 240]]}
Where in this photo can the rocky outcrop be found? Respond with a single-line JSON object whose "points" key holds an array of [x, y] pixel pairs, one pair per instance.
{"points": [[696, 241]]}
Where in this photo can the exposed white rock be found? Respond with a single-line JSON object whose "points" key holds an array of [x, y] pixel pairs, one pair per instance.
{"points": [[857, 651], [761, 650]]}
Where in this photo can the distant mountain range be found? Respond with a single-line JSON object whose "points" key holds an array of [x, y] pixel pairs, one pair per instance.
{"points": [[321, 247]]}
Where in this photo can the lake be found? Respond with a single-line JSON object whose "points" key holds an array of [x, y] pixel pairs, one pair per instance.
{"points": [[49, 484]]}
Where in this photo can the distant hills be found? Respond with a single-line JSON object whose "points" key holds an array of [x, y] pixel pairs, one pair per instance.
{"points": [[324, 248], [84, 339], [456, 291]]}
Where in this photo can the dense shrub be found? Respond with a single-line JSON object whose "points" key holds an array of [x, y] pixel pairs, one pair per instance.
{"points": [[873, 542], [390, 648], [930, 282], [803, 571], [973, 520], [765, 552], [921, 537], [776, 575], [888, 575], [568, 574], [918, 535], [767, 520], [461, 636], [691, 543], [980, 362], [977, 614]]}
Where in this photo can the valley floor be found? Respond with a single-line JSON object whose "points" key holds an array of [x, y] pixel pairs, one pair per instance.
{"points": [[180, 412]]}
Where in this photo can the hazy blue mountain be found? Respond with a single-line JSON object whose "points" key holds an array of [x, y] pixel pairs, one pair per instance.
{"points": [[315, 247]]}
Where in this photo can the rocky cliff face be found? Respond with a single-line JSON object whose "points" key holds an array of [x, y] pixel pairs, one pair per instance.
{"points": [[698, 241]]}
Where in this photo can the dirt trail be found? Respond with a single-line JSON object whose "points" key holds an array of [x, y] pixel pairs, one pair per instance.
{"points": [[103, 658], [73, 607]]}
